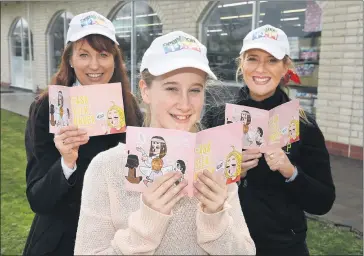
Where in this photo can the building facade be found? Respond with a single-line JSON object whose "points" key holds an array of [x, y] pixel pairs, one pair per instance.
{"points": [[326, 39]]}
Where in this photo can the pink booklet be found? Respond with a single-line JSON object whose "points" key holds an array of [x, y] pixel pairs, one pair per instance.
{"points": [[266, 129], [97, 108], [153, 152]]}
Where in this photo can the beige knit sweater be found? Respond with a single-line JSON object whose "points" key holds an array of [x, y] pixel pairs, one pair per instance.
{"points": [[115, 221]]}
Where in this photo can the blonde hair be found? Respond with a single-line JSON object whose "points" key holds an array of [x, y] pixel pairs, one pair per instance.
{"points": [[157, 164], [286, 61], [238, 156], [120, 112], [296, 123], [148, 79]]}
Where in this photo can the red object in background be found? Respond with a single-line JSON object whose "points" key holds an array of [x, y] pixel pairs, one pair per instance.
{"points": [[290, 75]]}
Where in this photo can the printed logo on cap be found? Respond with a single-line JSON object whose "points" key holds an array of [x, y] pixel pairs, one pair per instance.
{"points": [[267, 32], [181, 43], [92, 20]]}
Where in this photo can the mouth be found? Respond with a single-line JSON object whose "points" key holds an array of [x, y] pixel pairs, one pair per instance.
{"points": [[261, 80], [181, 118], [94, 76]]}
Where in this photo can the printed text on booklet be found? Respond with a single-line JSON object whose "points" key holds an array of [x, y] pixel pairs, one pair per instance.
{"points": [[97, 108]]}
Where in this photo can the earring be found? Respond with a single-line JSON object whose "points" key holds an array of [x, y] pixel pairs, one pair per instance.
{"points": [[71, 66]]}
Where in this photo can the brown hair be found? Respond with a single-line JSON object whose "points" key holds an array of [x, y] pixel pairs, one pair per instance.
{"points": [[148, 79], [286, 61], [66, 76]]}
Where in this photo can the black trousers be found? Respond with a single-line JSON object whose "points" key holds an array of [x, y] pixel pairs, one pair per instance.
{"points": [[297, 250]]}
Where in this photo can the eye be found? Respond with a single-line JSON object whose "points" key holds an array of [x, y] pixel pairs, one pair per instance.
{"points": [[83, 55], [104, 55], [196, 90], [172, 89], [273, 60], [251, 59]]}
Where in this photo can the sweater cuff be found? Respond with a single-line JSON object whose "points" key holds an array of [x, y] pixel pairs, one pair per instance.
{"points": [[300, 180], [152, 224], [213, 224]]}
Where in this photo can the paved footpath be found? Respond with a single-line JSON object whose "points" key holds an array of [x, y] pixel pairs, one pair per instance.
{"points": [[347, 173]]}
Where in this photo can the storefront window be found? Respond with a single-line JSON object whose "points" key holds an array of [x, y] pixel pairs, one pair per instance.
{"points": [[301, 21], [223, 31], [147, 27], [57, 35]]}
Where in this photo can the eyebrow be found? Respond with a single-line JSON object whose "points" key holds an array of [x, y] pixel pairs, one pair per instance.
{"points": [[82, 49], [175, 83], [255, 55]]}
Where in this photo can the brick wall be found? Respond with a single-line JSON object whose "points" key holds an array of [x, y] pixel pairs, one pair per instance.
{"points": [[340, 90], [179, 15]]}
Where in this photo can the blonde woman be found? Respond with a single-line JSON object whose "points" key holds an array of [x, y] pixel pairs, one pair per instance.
{"points": [[162, 220], [282, 185], [115, 120]]}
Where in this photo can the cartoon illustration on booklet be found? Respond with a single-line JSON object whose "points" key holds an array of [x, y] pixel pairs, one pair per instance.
{"points": [[264, 129], [97, 108], [153, 152]]}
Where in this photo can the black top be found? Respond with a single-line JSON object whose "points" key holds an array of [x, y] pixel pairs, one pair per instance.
{"points": [[273, 208], [54, 199]]}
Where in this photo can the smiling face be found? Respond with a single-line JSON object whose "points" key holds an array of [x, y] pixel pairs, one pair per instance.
{"points": [[175, 99], [244, 117], [60, 99], [113, 117], [156, 147], [292, 130], [91, 66], [262, 73], [231, 166]]}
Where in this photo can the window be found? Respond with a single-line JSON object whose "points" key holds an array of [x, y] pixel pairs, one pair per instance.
{"points": [[57, 35], [22, 52], [223, 31], [20, 40], [147, 27], [301, 21]]}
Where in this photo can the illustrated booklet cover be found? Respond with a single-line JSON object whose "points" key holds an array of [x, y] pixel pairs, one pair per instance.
{"points": [[153, 152], [97, 108], [265, 129]]}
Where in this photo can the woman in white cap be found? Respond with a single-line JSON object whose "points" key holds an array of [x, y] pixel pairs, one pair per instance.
{"points": [[284, 183], [162, 220], [57, 163]]}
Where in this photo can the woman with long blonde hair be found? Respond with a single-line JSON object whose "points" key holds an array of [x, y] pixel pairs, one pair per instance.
{"points": [[279, 186]]}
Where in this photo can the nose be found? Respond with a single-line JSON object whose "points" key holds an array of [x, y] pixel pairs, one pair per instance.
{"points": [[260, 66], [94, 63], [184, 103]]}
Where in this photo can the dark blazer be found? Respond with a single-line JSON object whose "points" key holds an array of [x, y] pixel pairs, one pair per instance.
{"points": [[274, 209], [54, 199]]}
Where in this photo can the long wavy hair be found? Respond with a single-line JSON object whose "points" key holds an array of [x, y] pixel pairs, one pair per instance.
{"points": [[66, 76]]}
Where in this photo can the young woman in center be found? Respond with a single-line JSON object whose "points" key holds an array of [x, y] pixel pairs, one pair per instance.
{"points": [[163, 220]]}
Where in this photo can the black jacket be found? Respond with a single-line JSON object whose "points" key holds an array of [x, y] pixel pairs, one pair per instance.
{"points": [[55, 200], [273, 209]]}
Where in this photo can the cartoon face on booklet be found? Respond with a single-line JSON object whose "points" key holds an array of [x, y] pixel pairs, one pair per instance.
{"points": [[264, 129], [97, 108], [153, 152]]}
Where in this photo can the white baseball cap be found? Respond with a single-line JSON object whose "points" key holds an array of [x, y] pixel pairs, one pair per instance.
{"points": [[268, 38], [88, 23], [173, 51]]}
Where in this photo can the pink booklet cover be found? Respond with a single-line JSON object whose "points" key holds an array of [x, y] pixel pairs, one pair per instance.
{"points": [[97, 108], [266, 129], [153, 152]]}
